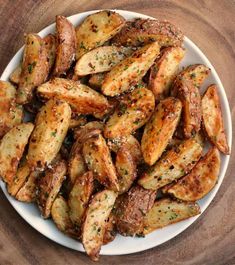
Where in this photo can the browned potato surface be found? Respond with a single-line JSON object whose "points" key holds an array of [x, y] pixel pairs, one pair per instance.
{"points": [[77, 121], [96, 80], [50, 45], [110, 231], [15, 75]]}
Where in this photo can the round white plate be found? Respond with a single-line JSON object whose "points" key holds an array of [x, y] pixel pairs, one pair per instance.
{"points": [[127, 245]]}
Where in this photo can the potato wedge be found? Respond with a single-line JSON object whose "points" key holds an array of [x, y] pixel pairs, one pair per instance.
{"points": [[130, 71], [51, 126], [79, 197], [132, 113], [201, 180], [50, 45], [167, 211], [163, 72], [11, 114], [160, 129], [65, 45], [191, 102], [76, 164], [101, 59], [81, 98], [131, 208], [15, 75], [95, 222], [110, 231], [93, 126], [96, 80], [77, 120], [175, 164], [98, 159], [35, 68], [49, 186], [212, 119], [11, 150], [96, 29], [143, 31]]}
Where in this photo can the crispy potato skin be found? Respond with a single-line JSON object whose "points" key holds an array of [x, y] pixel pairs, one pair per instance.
{"points": [[132, 113], [96, 80], [11, 150], [130, 71], [94, 226], [212, 119], [160, 128], [49, 186], [35, 68], [98, 159], [131, 208], [167, 211], [65, 45], [200, 180], [11, 113], [96, 29], [164, 70], [110, 230], [50, 45], [15, 75], [81, 98], [51, 126], [84, 132], [174, 164], [77, 120], [143, 31]]}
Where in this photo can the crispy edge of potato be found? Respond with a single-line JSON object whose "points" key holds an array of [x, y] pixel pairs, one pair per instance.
{"points": [[213, 120], [82, 132], [201, 180], [110, 230], [15, 75], [93, 228], [96, 80], [50, 45], [77, 120]]}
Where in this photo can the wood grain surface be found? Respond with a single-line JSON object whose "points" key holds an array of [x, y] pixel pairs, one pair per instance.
{"points": [[211, 239]]}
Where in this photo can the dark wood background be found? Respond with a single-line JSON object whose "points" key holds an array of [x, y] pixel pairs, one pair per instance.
{"points": [[211, 239]]}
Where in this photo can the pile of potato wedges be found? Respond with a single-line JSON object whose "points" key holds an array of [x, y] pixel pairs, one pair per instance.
{"points": [[104, 132]]}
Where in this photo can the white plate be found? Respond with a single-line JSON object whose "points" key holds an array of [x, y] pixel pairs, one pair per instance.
{"points": [[127, 245]]}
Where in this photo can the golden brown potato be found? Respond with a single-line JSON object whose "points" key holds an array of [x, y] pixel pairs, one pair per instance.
{"points": [[173, 165], [51, 125], [131, 208], [50, 45], [160, 129], [101, 59], [81, 98], [167, 211], [200, 180], [96, 80], [65, 45], [164, 71], [76, 164], [98, 159], [11, 150], [132, 113], [35, 68], [49, 186], [11, 114], [191, 102], [110, 232], [96, 29], [142, 31], [79, 197], [84, 131], [130, 71], [15, 75], [93, 229], [212, 119]]}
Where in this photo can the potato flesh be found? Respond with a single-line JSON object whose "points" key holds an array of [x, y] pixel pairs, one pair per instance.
{"points": [[15, 75], [50, 45], [130, 71], [173, 165]]}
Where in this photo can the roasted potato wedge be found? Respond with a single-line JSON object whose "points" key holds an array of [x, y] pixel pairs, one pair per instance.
{"points": [[79, 197], [130, 71], [200, 180], [35, 68], [50, 45], [132, 113], [131, 208], [95, 222], [52, 123], [191, 102], [84, 132], [65, 45], [96, 80], [110, 231], [212, 119], [101, 59], [15, 75], [163, 72], [11, 150], [98, 159], [167, 211], [142, 31], [81, 98], [96, 29], [173, 165], [49, 186], [11, 114], [76, 164], [77, 120], [160, 129]]}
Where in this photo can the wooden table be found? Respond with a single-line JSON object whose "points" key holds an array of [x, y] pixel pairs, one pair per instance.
{"points": [[211, 239]]}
